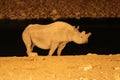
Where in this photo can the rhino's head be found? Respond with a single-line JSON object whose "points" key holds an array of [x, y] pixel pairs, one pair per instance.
{"points": [[81, 37]]}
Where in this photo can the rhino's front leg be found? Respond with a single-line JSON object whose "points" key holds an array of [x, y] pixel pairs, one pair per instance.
{"points": [[53, 47], [61, 47]]}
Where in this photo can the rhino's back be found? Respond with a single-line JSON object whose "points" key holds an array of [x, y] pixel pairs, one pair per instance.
{"points": [[59, 25]]}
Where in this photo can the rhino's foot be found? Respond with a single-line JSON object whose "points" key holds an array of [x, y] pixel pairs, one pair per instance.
{"points": [[58, 54], [33, 54], [49, 55]]}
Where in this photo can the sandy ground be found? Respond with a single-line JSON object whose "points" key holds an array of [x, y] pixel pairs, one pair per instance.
{"points": [[82, 67]]}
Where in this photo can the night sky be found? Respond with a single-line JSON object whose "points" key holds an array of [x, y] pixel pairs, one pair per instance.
{"points": [[105, 38]]}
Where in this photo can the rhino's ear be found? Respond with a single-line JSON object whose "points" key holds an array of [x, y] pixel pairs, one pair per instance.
{"points": [[78, 27], [74, 27], [83, 32]]}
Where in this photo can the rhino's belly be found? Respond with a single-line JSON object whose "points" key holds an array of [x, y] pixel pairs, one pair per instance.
{"points": [[43, 46], [41, 42]]}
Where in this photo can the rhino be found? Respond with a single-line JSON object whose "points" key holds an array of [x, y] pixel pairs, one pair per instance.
{"points": [[52, 36]]}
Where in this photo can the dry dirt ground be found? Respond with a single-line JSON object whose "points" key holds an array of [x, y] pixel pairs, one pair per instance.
{"points": [[82, 67]]}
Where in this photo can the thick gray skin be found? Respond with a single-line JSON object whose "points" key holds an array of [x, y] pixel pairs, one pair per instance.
{"points": [[52, 36]]}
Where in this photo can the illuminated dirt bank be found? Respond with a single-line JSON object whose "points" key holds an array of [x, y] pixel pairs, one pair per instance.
{"points": [[89, 67]]}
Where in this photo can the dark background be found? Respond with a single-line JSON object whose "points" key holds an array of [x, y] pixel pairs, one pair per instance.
{"points": [[105, 38]]}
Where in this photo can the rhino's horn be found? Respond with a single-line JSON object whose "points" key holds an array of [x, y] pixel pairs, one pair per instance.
{"points": [[74, 26], [89, 33], [83, 32]]}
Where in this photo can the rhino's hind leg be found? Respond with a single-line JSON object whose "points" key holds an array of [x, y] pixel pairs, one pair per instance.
{"points": [[30, 53], [61, 47], [29, 50], [28, 44], [33, 54]]}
